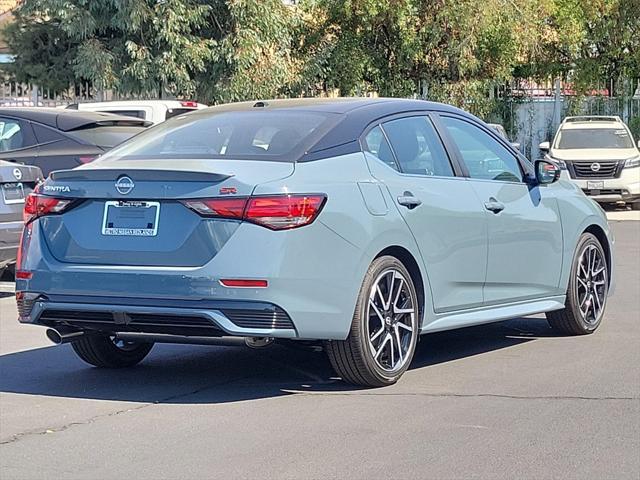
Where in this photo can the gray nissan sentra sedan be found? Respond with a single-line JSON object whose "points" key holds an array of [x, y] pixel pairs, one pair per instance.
{"points": [[358, 223], [16, 182]]}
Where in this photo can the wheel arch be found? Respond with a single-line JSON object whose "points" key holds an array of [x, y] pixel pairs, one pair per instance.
{"points": [[411, 264], [599, 233]]}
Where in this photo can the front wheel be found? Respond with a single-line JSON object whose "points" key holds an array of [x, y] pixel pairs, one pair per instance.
{"points": [[587, 291], [110, 352], [384, 329]]}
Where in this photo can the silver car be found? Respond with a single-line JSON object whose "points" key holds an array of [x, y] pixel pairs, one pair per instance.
{"points": [[16, 182]]}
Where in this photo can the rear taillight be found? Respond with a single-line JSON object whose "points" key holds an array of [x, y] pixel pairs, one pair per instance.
{"points": [[283, 212], [37, 205], [23, 247], [189, 103], [277, 212], [219, 207]]}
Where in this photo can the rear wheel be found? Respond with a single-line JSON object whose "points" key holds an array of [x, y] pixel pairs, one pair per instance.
{"points": [[587, 291], [384, 330], [109, 352]]}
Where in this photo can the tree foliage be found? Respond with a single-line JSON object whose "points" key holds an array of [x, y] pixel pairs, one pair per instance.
{"points": [[226, 50]]}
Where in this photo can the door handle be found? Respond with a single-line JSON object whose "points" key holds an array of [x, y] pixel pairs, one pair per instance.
{"points": [[408, 200], [494, 206]]}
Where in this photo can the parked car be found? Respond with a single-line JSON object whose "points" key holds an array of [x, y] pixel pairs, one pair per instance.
{"points": [[360, 223], [599, 154], [154, 111], [54, 139], [503, 133], [16, 182]]}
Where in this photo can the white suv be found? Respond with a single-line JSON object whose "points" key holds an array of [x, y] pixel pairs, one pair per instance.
{"points": [[154, 111], [599, 154]]}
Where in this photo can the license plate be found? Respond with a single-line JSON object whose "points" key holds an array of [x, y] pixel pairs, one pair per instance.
{"points": [[12, 193], [595, 185], [131, 219]]}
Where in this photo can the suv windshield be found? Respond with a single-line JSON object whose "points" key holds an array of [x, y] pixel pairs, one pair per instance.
{"points": [[594, 138], [275, 135]]}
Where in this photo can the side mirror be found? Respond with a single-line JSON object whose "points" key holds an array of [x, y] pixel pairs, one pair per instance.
{"points": [[546, 172], [545, 147], [638, 143]]}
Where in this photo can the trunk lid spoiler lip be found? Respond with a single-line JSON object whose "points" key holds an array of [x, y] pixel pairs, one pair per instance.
{"points": [[144, 175], [30, 173]]}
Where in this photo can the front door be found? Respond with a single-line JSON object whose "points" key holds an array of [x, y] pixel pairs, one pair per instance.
{"points": [[525, 232], [440, 208]]}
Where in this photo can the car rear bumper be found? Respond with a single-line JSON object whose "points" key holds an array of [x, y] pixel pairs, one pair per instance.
{"points": [[317, 295], [156, 316]]}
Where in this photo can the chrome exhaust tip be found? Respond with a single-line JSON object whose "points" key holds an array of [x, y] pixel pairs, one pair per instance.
{"points": [[258, 342], [62, 335]]}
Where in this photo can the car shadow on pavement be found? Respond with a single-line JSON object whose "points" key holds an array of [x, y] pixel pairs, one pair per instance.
{"points": [[188, 374]]}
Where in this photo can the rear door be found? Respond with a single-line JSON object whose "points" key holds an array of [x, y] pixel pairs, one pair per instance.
{"points": [[525, 233], [440, 208]]}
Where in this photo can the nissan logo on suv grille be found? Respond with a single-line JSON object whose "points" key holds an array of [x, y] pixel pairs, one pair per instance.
{"points": [[124, 185], [595, 167]]}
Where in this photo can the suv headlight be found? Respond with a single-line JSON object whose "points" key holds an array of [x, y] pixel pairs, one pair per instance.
{"points": [[560, 163], [632, 162]]}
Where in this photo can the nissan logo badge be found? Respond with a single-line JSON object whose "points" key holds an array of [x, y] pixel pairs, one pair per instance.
{"points": [[17, 173], [124, 185], [595, 167]]}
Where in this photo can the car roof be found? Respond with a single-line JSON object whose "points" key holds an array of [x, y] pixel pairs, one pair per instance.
{"points": [[339, 105], [131, 103], [67, 120], [356, 113], [592, 121]]}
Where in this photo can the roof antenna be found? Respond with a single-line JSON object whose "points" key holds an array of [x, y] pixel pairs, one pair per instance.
{"points": [[260, 104]]}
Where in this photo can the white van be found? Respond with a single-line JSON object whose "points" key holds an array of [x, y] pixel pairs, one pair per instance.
{"points": [[154, 111]]}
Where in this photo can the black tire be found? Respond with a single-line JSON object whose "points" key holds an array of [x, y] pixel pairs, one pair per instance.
{"points": [[353, 359], [101, 351], [571, 319], [635, 205]]}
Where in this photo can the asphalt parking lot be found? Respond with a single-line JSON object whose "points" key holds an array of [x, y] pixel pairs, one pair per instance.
{"points": [[508, 400]]}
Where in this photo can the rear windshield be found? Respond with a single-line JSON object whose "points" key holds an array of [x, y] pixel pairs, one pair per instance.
{"points": [[277, 135], [594, 138], [106, 136]]}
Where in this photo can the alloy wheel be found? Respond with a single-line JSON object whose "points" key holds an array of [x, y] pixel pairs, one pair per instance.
{"points": [[391, 320], [591, 284]]}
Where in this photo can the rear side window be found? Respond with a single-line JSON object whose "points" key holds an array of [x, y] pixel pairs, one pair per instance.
{"points": [[107, 136], [279, 135], [46, 134], [11, 135], [418, 147], [376, 144]]}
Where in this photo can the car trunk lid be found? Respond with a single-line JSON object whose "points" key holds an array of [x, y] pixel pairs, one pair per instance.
{"points": [[132, 215]]}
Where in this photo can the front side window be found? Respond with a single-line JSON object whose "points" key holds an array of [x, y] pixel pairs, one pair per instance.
{"points": [[417, 147], [484, 157], [11, 135]]}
